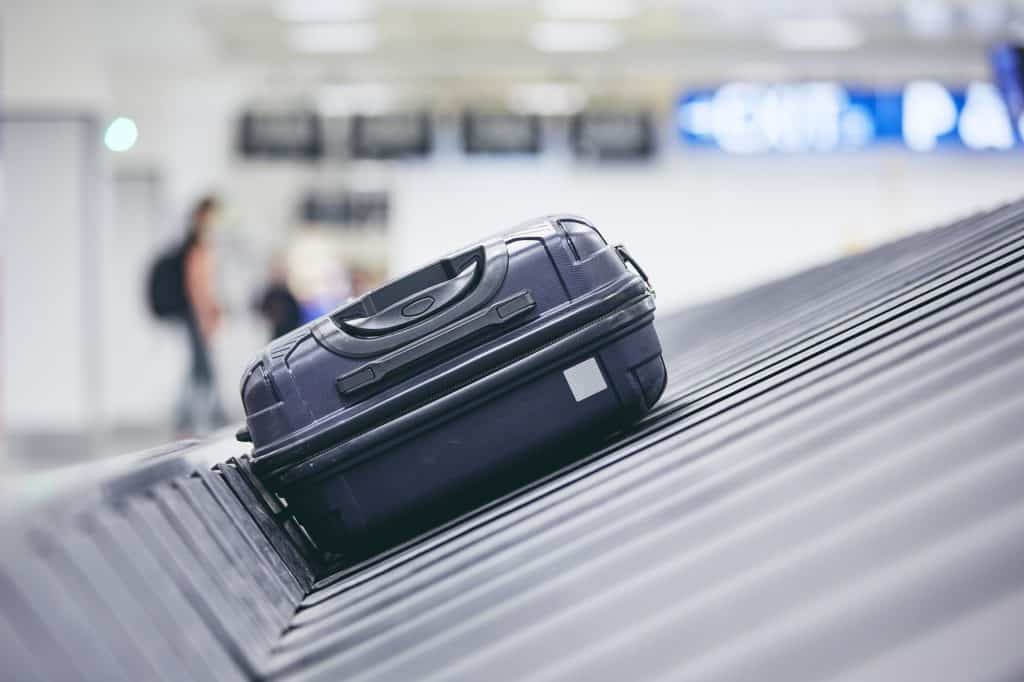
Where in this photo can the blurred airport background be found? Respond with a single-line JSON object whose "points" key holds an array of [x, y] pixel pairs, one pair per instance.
{"points": [[727, 141]]}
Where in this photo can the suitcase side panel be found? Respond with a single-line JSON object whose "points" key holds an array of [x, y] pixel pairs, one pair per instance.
{"points": [[485, 450]]}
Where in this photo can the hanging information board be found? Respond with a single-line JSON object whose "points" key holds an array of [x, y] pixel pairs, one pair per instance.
{"points": [[391, 136], [500, 133], [612, 135], [280, 135]]}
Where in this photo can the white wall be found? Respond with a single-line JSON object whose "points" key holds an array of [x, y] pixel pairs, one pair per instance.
{"points": [[50, 367], [142, 360], [50, 56], [53, 86]]}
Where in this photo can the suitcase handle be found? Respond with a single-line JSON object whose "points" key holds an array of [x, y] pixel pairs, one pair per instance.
{"points": [[412, 308], [418, 304], [628, 260]]}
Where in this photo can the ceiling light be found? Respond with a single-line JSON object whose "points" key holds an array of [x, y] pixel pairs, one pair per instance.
{"points": [[761, 71], [929, 18], [322, 10], [602, 10], [345, 99], [121, 135], [332, 37], [574, 36], [547, 99], [817, 34], [987, 18]]}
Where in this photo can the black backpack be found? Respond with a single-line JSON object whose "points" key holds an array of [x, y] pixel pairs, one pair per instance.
{"points": [[167, 285]]}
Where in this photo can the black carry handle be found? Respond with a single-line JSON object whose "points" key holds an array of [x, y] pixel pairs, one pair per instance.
{"points": [[415, 296], [628, 260], [417, 304]]}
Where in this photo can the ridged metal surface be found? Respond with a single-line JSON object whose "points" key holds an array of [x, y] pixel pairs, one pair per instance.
{"points": [[830, 488]]}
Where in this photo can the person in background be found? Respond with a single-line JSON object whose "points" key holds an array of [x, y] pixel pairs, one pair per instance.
{"points": [[199, 409], [278, 305], [363, 280]]}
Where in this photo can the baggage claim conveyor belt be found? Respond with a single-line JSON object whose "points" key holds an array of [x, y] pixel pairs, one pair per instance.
{"points": [[830, 489]]}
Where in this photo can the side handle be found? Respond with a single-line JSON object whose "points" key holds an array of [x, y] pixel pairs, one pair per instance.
{"points": [[628, 261]]}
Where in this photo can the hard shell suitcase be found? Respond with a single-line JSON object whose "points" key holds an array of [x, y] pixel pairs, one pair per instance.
{"points": [[454, 384]]}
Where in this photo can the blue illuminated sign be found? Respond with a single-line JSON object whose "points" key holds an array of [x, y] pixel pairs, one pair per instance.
{"points": [[752, 118]]}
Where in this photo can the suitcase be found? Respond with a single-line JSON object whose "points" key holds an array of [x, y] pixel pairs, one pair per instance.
{"points": [[457, 383]]}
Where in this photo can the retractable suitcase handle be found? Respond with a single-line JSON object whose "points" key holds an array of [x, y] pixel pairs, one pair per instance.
{"points": [[418, 304]]}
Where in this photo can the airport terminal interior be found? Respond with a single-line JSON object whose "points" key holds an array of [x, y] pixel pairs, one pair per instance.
{"points": [[727, 143], [181, 182]]}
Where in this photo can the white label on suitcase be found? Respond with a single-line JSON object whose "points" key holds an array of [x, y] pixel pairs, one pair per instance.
{"points": [[585, 379]]}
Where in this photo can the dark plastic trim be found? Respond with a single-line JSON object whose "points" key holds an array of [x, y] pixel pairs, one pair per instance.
{"points": [[560, 220]]}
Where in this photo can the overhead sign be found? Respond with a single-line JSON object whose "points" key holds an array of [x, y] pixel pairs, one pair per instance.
{"points": [[752, 118], [345, 208], [280, 135], [612, 135], [500, 133], [391, 136]]}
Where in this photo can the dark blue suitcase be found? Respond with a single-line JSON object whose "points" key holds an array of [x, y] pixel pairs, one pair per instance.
{"points": [[454, 384]]}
